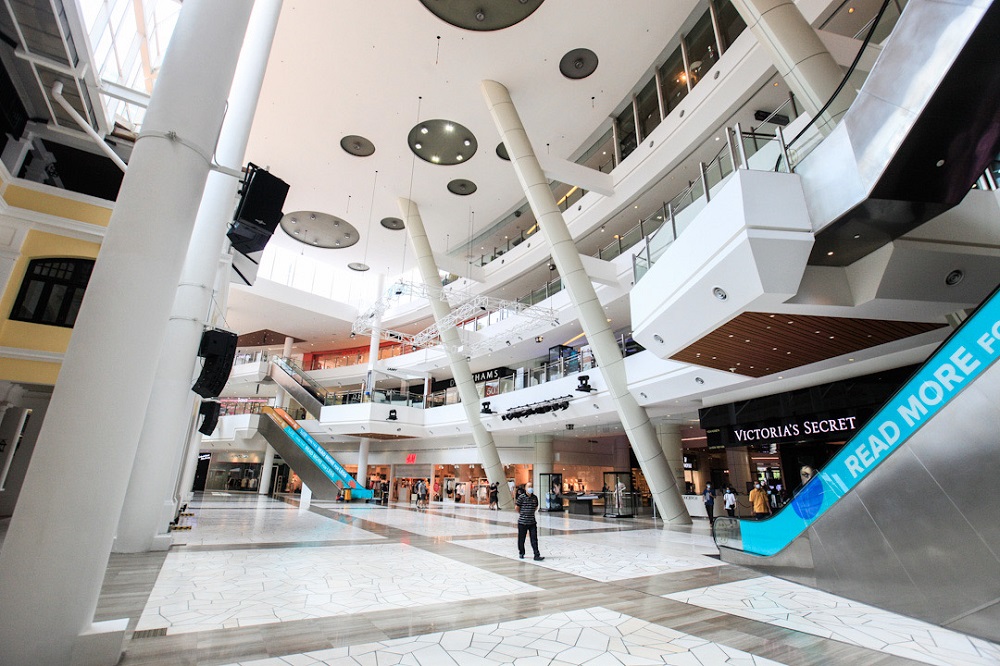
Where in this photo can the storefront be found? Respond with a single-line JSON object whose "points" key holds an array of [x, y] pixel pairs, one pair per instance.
{"points": [[774, 438], [234, 471]]}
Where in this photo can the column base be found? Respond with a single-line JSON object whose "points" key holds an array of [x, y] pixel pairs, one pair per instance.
{"points": [[101, 645], [161, 542]]}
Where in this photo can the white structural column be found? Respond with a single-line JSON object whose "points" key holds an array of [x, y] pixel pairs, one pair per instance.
{"points": [[543, 462], [639, 430], [54, 557], [362, 474], [459, 364], [669, 436], [373, 343], [800, 57], [264, 483], [149, 503]]}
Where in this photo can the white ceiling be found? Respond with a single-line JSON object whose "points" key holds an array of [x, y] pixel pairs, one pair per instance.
{"points": [[340, 67]]}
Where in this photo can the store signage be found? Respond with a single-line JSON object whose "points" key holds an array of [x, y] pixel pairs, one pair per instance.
{"points": [[477, 377], [792, 430], [411, 458]]}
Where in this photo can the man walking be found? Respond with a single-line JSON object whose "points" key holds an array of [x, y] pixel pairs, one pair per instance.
{"points": [[527, 505]]}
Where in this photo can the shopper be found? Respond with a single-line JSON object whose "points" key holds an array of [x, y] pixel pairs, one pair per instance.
{"points": [[759, 501], [527, 505], [729, 501], [494, 497], [709, 498]]}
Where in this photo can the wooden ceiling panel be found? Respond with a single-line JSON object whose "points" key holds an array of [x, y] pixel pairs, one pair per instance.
{"points": [[758, 344]]}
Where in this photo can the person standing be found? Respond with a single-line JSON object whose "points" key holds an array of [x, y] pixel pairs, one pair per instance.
{"points": [[709, 498], [494, 497], [527, 505], [729, 501], [759, 501]]}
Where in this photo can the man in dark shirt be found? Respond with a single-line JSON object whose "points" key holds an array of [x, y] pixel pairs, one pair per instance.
{"points": [[527, 505]]}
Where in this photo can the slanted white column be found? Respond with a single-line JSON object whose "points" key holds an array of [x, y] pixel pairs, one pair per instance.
{"points": [[543, 462], [639, 430], [669, 436], [149, 503], [53, 559], [459, 363], [373, 343], [799, 55]]}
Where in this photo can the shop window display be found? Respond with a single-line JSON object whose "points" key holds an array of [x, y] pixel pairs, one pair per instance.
{"points": [[551, 487], [620, 497]]}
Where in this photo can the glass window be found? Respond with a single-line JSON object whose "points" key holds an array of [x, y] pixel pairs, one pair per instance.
{"points": [[627, 139], [702, 50], [731, 24], [674, 80], [52, 291], [649, 107]]}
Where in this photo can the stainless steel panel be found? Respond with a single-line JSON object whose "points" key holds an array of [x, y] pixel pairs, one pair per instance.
{"points": [[866, 568], [937, 548]]}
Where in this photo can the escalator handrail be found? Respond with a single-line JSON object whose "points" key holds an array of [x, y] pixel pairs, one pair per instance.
{"points": [[843, 82]]}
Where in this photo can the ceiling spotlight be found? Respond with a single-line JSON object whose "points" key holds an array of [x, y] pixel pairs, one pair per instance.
{"points": [[720, 293], [486, 408], [538, 338], [584, 384], [480, 15], [699, 380], [954, 277], [392, 415]]}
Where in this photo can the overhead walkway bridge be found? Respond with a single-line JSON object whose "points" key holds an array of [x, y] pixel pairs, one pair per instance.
{"points": [[904, 516]]}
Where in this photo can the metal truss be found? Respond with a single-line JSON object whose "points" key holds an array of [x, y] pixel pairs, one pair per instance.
{"points": [[463, 307]]}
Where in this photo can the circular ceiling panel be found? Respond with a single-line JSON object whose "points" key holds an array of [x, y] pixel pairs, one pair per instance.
{"points": [[358, 146], [443, 142], [393, 223], [359, 267], [482, 15], [502, 151], [462, 187], [578, 64], [319, 229]]}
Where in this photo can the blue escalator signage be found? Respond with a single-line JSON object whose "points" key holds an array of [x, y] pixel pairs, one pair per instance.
{"points": [[955, 365], [324, 461]]}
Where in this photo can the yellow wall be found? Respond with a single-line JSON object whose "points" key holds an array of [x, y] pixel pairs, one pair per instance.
{"points": [[24, 335], [53, 204]]}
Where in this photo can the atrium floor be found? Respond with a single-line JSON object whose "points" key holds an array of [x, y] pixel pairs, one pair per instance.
{"points": [[264, 581]]}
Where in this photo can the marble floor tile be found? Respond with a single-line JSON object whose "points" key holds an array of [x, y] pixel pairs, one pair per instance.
{"points": [[581, 556], [269, 522], [819, 613], [593, 636], [204, 590]]}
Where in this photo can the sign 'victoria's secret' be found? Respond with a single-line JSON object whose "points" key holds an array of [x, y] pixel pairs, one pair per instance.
{"points": [[826, 429]]}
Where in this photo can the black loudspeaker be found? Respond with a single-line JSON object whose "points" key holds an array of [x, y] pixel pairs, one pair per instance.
{"points": [[218, 348], [247, 238], [210, 410], [262, 200]]}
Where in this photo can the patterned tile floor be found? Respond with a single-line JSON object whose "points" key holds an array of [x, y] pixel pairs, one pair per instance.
{"points": [[202, 590], [804, 609], [264, 581], [592, 636], [604, 561]]}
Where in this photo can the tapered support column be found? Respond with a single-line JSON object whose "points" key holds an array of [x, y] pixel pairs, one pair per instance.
{"points": [[53, 559], [373, 344], [265, 472], [639, 430], [10, 430], [149, 503], [799, 55], [459, 364], [669, 435], [543, 462]]}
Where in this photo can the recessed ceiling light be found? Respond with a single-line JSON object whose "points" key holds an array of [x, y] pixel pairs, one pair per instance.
{"points": [[449, 128], [830, 253], [435, 159], [423, 130], [459, 158], [418, 146], [467, 142]]}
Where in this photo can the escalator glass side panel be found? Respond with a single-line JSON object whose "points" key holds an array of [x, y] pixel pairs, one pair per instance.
{"points": [[966, 354]]}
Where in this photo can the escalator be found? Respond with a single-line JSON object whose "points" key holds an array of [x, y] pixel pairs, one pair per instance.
{"points": [[297, 383], [924, 127], [325, 476], [904, 516]]}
